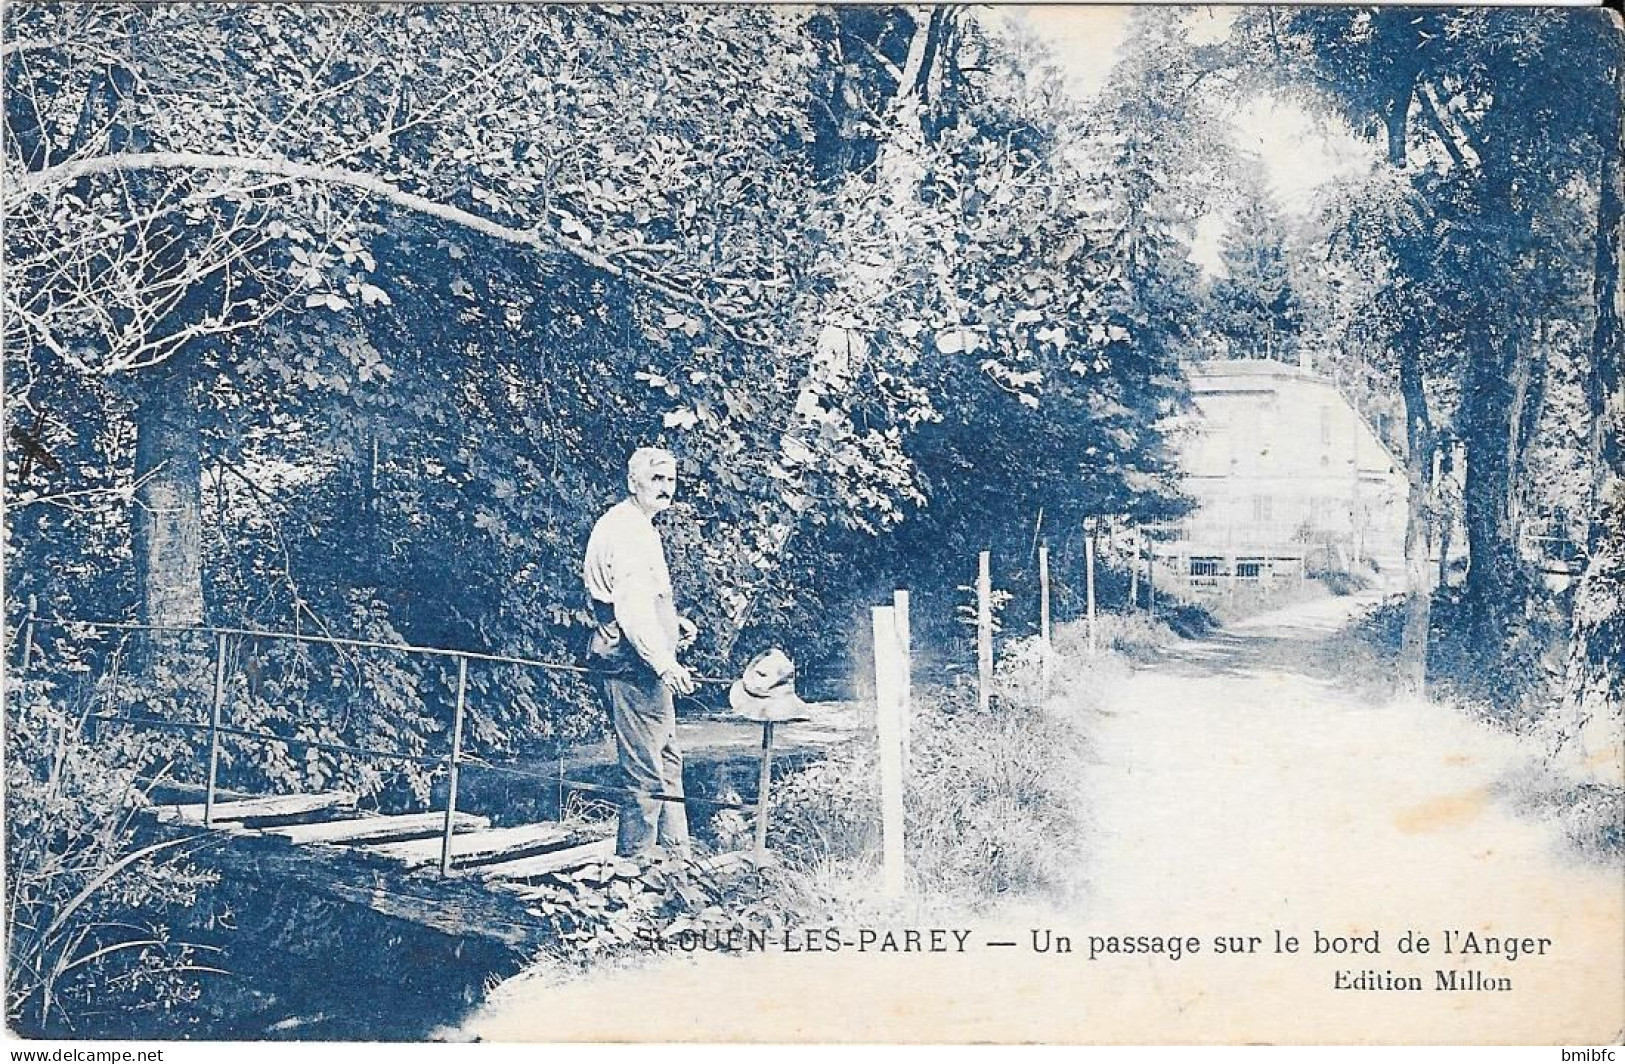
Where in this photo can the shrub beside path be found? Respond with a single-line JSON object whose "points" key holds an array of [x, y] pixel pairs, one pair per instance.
{"points": [[1241, 787]]}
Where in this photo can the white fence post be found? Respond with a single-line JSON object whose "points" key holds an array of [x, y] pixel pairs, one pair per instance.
{"points": [[984, 632], [1043, 613], [889, 671], [1089, 580], [899, 605]]}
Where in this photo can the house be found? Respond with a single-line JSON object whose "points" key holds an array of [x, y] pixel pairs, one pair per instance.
{"points": [[1288, 478]]}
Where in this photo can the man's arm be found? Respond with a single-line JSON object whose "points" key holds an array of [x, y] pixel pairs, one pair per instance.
{"points": [[641, 616]]}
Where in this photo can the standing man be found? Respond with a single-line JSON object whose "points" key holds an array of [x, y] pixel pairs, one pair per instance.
{"points": [[637, 639]]}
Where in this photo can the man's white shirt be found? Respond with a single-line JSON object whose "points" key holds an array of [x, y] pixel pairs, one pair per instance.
{"points": [[625, 567]]}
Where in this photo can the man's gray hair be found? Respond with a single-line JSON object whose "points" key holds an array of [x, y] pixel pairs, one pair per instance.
{"points": [[644, 459]]}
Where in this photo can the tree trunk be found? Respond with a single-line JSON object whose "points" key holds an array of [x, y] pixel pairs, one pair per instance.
{"points": [[1493, 576], [1593, 723], [1401, 34], [168, 521], [1419, 447], [1444, 520], [1591, 734], [1394, 109], [1605, 394], [1529, 402]]}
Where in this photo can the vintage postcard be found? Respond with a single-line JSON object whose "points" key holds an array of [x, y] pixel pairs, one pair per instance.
{"points": [[682, 523]]}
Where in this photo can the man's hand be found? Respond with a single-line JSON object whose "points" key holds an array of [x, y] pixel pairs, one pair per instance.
{"points": [[687, 631], [678, 679]]}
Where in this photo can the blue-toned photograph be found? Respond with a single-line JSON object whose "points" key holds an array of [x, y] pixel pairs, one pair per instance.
{"points": [[774, 523]]}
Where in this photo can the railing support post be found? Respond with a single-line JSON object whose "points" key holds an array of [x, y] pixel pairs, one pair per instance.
{"points": [[1151, 581], [456, 753], [28, 647], [214, 727], [764, 787], [899, 605]]}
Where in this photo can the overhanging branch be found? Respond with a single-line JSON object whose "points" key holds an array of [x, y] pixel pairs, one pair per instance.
{"points": [[542, 237]]}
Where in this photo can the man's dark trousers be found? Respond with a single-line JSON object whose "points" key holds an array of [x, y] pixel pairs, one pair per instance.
{"points": [[645, 723]]}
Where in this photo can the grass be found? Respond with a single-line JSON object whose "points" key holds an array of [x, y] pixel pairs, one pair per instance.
{"points": [[89, 901], [990, 795], [990, 800]]}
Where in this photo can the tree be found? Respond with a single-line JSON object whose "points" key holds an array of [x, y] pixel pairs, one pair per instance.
{"points": [[1593, 711], [411, 287], [1254, 303], [1469, 109]]}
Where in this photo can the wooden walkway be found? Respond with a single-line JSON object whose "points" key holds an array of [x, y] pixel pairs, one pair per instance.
{"points": [[389, 863], [412, 839]]}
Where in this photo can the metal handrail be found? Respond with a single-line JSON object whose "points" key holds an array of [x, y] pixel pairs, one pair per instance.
{"points": [[216, 728], [301, 637], [364, 644]]}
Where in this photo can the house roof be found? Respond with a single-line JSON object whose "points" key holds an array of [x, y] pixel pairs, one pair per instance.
{"points": [[1260, 376], [1201, 372]]}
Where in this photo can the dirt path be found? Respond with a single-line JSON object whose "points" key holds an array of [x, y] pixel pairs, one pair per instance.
{"points": [[1236, 792]]}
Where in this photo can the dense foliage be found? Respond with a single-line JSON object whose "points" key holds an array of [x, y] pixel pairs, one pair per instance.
{"points": [[342, 320], [408, 369]]}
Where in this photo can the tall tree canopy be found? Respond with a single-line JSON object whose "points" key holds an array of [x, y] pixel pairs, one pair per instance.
{"points": [[346, 317]]}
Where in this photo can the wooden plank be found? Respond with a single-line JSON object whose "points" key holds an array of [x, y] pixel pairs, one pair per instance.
{"points": [[476, 845], [557, 861], [452, 906], [254, 808], [457, 907], [376, 828], [451, 916]]}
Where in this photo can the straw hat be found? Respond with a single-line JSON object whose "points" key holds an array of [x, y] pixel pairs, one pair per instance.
{"points": [[767, 691]]}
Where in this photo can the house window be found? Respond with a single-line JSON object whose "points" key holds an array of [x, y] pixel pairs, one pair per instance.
{"points": [[1325, 424], [1204, 567], [1262, 505], [1250, 570]]}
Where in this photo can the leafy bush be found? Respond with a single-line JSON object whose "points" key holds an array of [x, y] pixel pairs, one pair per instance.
{"points": [[1133, 635], [87, 938], [1342, 582]]}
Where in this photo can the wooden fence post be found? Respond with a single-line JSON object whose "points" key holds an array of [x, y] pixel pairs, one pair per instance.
{"points": [[888, 705], [984, 632], [1134, 576], [899, 605], [1089, 526], [1151, 580], [1043, 614], [456, 754]]}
